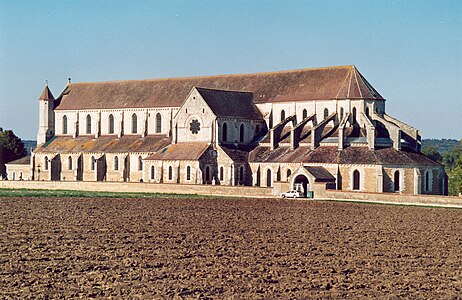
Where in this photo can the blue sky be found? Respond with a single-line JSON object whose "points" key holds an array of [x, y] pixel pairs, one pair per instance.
{"points": [[410, 51]]}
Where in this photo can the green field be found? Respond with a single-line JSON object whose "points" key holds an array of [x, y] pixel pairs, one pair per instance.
{"points": [[89, 194]]}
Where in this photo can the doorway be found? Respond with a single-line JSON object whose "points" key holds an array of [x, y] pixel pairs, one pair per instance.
{"points": [[302, 184]]}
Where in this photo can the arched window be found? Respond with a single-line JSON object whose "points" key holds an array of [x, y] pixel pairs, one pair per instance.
{"points": [[116, 163], [69, 163], [428, 181], [305, 114], [241, 174], [140, 163], [111, 124], [225, 132], [257, 130], [64, 124], [153, 172], [88, 124], [207, 174], [283, 115], [326, 113], [289, 172], [188, 173], [158, 123], [170, 173], [356, 180], [354, 115], [367, 111], [45, 167], [341, 114], [134, 123], [396, 181], [221, 173], [241, 133], [269, 180], [93, 163], [14, 175]]}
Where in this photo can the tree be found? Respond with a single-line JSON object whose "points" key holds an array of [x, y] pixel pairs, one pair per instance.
{"points": [[433, 154], [453, 159], [453, 162], [455, 181], [13, 147]]}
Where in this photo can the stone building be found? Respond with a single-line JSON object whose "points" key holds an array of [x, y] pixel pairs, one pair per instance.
{"points": [[299, 127], [19, 169]]}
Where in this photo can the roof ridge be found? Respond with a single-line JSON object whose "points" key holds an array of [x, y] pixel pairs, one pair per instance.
{"points": [[357, 83], [213, 76], [223, 90]]}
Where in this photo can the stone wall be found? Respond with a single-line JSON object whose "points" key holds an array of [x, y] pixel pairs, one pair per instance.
{"points": [[390, 198], [18, 172], [217, 190]]}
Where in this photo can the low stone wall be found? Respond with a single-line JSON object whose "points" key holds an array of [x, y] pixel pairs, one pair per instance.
{"points": [[391, 198], [235, 191], [138, 187]]}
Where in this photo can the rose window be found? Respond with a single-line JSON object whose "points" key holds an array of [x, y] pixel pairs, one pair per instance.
{"points": [[194, 126]]}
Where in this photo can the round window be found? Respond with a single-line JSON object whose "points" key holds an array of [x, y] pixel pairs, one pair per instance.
{"points": [[194, 126]]}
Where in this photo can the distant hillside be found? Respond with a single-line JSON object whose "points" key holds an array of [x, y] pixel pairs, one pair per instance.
{"points": [[28, 144], [442, 146]]}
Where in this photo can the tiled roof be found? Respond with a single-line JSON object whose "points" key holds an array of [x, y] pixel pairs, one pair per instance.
{"points": [[320, 174], [21, 161], [297, 85], [46, 94], [180, 151], [111, 144], [237, 154], [350, 155], [356, 86], [230, 103]]}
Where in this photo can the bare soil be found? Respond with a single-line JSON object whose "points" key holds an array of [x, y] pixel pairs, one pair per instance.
{"points": [[221, 248]]}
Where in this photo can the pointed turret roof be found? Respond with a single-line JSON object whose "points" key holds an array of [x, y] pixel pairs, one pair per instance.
{"points": [[46, 94]]}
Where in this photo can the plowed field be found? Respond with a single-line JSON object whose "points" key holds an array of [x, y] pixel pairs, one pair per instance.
{"points": [[246, 249]]}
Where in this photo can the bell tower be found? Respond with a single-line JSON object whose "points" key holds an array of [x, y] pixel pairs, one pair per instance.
{"points": [[46, 116]]}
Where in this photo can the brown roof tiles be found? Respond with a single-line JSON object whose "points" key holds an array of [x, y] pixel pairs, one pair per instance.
{"points": [[350, 155], [230, 103], [320, 174], [127, 143], [46, 94], [20, 161], [180, 151], [297, 85]]}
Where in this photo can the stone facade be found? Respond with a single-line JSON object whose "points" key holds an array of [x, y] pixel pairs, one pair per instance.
{"points": [[293, 128]]}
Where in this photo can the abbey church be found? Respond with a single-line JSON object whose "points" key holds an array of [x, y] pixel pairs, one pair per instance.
{"points": [[297, 127]]}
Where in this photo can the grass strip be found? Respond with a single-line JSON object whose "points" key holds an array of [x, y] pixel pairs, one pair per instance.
{"points": [[6, 192]]}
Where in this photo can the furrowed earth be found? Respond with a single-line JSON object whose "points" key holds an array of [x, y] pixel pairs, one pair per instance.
{"points": [[225, 248]]}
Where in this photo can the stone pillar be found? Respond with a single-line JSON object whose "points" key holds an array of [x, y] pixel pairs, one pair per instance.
{"points": [[76, 126], [341, 132], [233, 180], [417, 182], [98, 125], [121, 126], [379, 172]]}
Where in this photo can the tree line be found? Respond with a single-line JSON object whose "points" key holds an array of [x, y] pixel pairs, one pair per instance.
{"points": [[449, 154]]}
